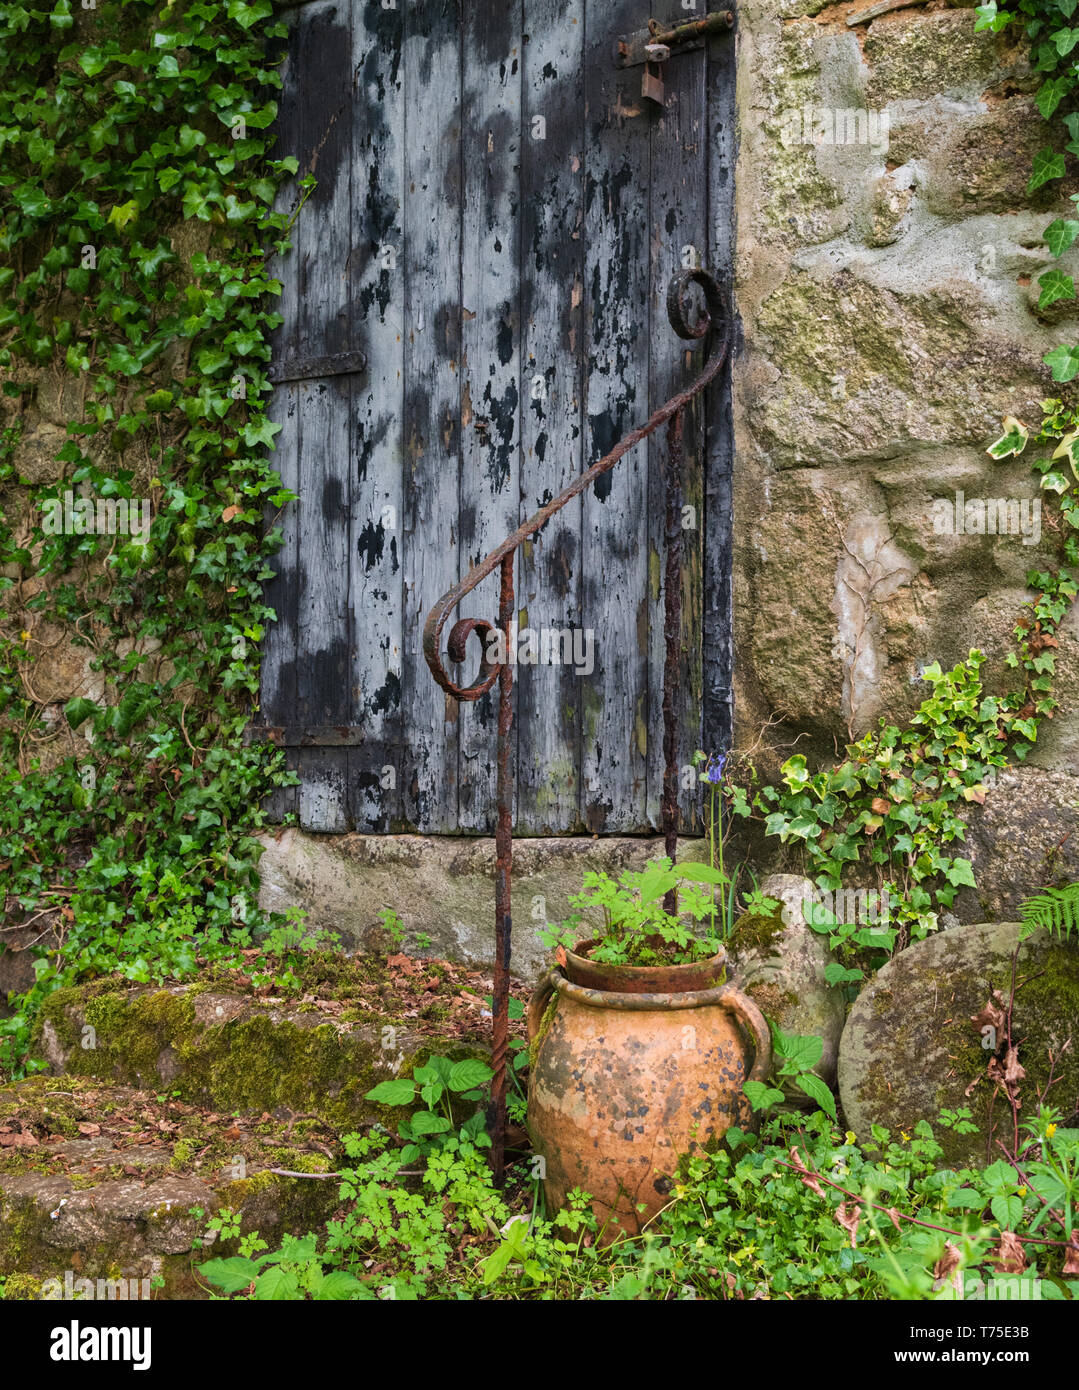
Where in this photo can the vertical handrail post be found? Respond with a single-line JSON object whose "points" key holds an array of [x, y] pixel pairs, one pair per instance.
{"points": [[672, 632], [500, 993]]}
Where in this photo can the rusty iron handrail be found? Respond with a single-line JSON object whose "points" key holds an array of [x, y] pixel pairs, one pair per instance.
{"points": [[717, 319]]}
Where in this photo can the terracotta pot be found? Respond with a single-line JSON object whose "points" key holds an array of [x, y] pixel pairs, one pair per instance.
{"points": [[635, 1066]]}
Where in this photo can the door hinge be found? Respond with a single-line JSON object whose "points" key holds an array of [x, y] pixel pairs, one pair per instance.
{"points": [[309, 368]]}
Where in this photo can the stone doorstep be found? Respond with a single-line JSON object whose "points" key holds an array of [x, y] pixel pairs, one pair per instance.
{"points": [[442, 885]]}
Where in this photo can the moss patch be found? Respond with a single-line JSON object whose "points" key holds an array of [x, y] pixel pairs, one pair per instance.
{"points": [[757, 931], [237, 1052]]}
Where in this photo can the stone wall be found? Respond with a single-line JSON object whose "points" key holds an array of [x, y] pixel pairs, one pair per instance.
{"points": [[887, 287]]}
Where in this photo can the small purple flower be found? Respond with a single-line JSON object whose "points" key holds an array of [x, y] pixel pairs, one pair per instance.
{"points": [[713, 771]]}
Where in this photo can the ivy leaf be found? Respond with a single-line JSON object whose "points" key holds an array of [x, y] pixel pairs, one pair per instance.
{"points": [[123, 213], [260, 432], [189, 138], [1055, 285], [1068, 448], [961, 873], [1065, 40], [78, 711], [211, 360], [989, 18], [1012, 441], [1050, 94], [1048, 164], [32, 201], [92, 61], [1064, 362], [247, 15], [1060, 234]]}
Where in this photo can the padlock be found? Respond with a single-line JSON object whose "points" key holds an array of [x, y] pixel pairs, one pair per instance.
{"points": [[652, 81]]}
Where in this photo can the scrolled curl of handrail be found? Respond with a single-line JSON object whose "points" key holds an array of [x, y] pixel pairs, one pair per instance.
{"points": [[715, 321]]}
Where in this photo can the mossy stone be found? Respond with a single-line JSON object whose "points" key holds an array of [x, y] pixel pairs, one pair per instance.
{"points": [[779, 960], [231, 1051], [911, 1047]]}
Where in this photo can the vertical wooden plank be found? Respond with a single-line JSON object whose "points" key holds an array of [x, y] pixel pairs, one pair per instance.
{"points": [[490, 353], [679, 239], [277, 675], [323, 686], [719, 437], [431, 418], [615, 533], [376, 290], [552, 284]]}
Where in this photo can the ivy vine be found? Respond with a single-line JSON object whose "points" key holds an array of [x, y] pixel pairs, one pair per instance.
{"points": [[120, 125]]}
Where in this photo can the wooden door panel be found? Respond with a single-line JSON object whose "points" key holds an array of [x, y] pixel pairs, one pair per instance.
{"points": [[549, 586], [497, 215], [376, 456]]}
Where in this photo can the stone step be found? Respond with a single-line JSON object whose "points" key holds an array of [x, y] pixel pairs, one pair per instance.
{"points": [[241, 1051], [106, 1191]]}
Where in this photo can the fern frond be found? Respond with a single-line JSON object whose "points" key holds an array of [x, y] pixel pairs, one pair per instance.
{"points": [[1055, 910]]}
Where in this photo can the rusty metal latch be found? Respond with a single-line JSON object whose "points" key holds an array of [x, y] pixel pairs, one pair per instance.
{"points": [[633, 49], [715, 323]]}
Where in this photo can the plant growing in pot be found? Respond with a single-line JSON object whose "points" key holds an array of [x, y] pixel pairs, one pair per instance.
{"points": [[639, 1046]]}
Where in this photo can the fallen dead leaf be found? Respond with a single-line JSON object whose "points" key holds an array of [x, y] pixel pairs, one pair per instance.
{"points": [[849, 1215], [25, 1140], [1010, 1258]]}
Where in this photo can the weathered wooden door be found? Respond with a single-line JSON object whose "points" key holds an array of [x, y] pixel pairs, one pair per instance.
{"points": [[474, 313]]}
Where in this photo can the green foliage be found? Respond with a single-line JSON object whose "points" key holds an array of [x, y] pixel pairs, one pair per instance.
{"points": [[1055, 910], [794, 1058], [117, 126], [636, 928], [291, 1273], [1052, 28], [892, 808], [794, 1213], [436, 1085]]}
